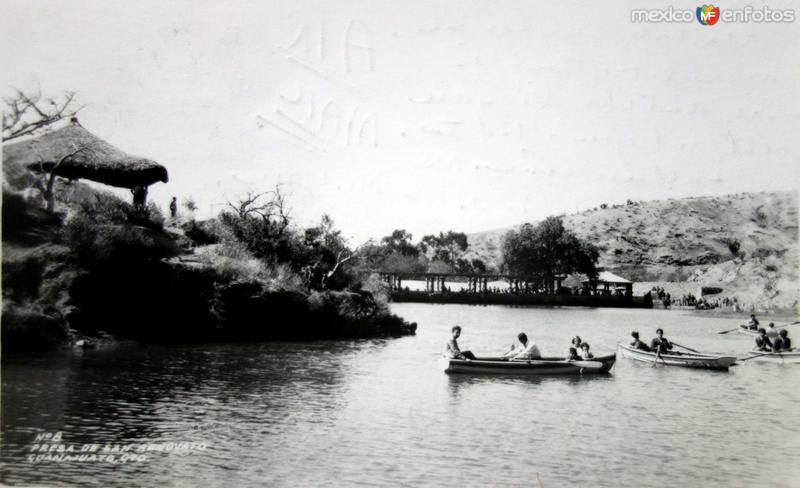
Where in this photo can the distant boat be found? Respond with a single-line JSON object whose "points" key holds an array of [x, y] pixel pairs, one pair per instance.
{"points": [[791, 357], [543, 366], [743, 329], [686, 360]]}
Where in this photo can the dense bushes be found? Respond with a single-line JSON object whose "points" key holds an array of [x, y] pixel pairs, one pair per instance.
{"points": [[104, 228], [105, 270], [27, 329]]}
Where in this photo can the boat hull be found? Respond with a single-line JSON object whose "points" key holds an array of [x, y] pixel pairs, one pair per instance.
{"points": [[544, 366], [699, 361], [752, 333], [792, 357]]}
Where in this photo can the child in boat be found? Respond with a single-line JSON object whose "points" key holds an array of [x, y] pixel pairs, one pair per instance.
{"points": [[452, 350], [637, 343], [762, 341], [528, 350], [782, 342], [585, 354]]}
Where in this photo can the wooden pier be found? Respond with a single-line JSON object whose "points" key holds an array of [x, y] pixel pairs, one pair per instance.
{"points": [[516, 290]]}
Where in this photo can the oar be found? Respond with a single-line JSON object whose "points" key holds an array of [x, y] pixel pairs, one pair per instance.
{"points": [[755, 354], [687, 348], [777, 326], [658, 356]]}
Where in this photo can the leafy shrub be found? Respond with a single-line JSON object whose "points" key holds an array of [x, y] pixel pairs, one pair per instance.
{"points": [[759, 217], [202, 233], [761, 252], [95, 242], [733, 245]]}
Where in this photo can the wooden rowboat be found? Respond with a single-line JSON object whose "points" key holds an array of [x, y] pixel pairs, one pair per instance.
{"points": [[743, 329], [543, 366], [686, 360], [791, 357]]}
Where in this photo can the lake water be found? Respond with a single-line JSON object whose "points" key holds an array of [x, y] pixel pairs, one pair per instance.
{"points": [[381, 413]]}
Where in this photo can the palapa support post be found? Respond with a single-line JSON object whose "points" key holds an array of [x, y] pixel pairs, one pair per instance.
{"points": [[139, 196]]}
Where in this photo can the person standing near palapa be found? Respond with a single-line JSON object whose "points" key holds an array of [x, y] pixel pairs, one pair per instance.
{"points": [[173, 207]]}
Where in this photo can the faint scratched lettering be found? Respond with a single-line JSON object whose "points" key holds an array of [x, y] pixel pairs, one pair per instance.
{"points": [[332, 114], [358, 45], [319, 125]]}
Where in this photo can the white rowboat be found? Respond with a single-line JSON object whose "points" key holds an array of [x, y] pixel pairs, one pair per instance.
{"points": [[686, 360], [543, 366], [743, 329], [791, 357]]}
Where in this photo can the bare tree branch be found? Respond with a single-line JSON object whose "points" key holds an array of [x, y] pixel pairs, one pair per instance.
{"points": [[45, 183], [26, 113]]}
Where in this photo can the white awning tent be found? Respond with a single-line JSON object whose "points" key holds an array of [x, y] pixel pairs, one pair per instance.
{"points": [[608, 277]]}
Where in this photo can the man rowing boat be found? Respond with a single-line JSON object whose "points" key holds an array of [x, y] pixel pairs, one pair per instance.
{"points": [[782, 342], [660, 344], [528, 350], [752, 324], [762, 341]]}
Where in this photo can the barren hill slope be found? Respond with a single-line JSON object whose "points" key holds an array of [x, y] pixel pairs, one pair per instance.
{"points": [[747, 242]]}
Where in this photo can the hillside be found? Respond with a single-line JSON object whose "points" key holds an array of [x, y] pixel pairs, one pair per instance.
{"points": [[745, 243]]}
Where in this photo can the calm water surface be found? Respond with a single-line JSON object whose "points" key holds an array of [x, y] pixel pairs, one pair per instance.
{"points": [[380, 413]]}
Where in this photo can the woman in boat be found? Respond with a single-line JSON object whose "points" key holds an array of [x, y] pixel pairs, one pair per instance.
{"points": [[637, 343], [782, 342], [452, 350], [762, 341], [585, 354], [660, 344], [572, 355], [575, 346], [528, 350]]}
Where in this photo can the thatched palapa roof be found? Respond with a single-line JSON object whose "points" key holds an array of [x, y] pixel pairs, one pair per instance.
{"points": [[88, 157]]}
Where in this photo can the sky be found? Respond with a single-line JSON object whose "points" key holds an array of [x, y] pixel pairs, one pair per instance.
{"points": [[422, 115]]}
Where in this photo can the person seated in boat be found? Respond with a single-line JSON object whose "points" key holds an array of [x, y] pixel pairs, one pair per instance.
{"points": [[782, 343], [762, 341], [752, 324], [660, 344], [527, 350], [771, 330], [638, 343], [576, 342], [572, 355], [585, 353], [452, 350]]}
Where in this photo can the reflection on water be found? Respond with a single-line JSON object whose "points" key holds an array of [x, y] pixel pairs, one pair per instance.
{"points": [[383, 413]]}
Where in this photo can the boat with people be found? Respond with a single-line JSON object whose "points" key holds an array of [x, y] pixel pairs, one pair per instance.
{"points": [[541, 366], [675, 358], [784, 357], [745, 329]]}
